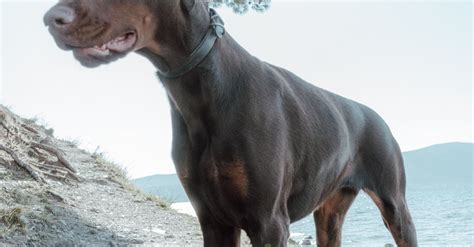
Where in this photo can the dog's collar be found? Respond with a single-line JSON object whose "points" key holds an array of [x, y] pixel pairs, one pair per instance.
{"points": [[216, 31]]}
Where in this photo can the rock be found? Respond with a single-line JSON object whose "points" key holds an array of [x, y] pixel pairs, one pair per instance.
{"points": [[137, 241], [159, 231], [95, 210], [307, 241]]}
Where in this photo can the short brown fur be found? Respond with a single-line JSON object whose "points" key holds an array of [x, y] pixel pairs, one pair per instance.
{"points": [[300, 149], [233, 179]]}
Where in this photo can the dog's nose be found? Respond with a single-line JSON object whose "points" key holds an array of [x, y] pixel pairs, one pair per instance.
{"points": [[59, 16]]}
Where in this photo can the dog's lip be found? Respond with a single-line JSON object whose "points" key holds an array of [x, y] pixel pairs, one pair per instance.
{"points": [[120, 44]]}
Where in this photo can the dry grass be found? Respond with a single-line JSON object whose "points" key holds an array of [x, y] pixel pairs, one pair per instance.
{"points": [[11, 220], [121, 177]]}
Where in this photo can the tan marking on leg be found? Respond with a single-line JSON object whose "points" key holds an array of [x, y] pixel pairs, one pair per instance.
{"points": [[233, 179], [330, 217], [397, 220]]}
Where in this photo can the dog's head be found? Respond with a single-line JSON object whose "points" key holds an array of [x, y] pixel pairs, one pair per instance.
{"points": [[102, 31]]}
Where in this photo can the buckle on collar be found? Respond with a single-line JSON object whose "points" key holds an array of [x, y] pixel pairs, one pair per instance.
{"points": [[216, 30], [217, 24]]}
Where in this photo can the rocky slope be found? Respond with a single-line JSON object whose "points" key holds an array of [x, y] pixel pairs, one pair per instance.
{"points": [[55, 194]]}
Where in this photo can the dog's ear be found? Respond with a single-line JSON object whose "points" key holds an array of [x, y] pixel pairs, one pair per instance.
{"points": [[188, 5]]}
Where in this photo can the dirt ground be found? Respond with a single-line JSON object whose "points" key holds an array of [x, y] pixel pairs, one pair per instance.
{"points": [[55, 194]]}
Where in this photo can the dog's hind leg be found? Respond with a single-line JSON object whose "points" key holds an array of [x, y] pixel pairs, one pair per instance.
{"points": [[396, 218], [386, 184], [329, 217]]}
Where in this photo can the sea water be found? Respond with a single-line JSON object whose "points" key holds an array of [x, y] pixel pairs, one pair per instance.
{"points": [[443, 216]]}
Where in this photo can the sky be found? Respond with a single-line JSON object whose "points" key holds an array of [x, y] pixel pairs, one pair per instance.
{"points": [[410, 61]]}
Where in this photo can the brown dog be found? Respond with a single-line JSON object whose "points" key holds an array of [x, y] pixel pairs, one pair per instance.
{"points": [[255, 147]]}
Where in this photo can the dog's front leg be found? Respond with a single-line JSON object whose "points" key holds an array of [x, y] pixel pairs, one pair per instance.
{"points": [[273, 232], [216, 234]]}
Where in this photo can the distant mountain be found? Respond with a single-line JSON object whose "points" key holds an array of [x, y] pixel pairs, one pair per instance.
{"points": [[443, 164], [167, 187]]}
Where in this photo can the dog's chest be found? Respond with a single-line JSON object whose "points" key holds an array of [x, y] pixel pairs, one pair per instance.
{"points": [[229, 178], [222, 186]]}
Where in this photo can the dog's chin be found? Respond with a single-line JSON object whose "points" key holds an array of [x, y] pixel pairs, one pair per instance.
{"points": [[92, 57], [93, 61]]}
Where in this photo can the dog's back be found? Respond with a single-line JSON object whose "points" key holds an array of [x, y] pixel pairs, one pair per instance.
{"points": [[325, 137], [336, 147]]}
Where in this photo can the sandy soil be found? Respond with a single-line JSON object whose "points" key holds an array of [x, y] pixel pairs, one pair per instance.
{"points": [[101, 209]]}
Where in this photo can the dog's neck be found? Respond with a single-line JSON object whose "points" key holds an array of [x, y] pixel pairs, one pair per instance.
{"points": [[213, 84], [176, 38]]}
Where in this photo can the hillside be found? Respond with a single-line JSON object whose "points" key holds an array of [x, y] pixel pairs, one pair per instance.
{"points": [[450, 164], [54, 194], [441, 164]]}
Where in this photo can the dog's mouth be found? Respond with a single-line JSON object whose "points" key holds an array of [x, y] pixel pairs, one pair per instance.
{"points": [[109, 51], [121, 44]]}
